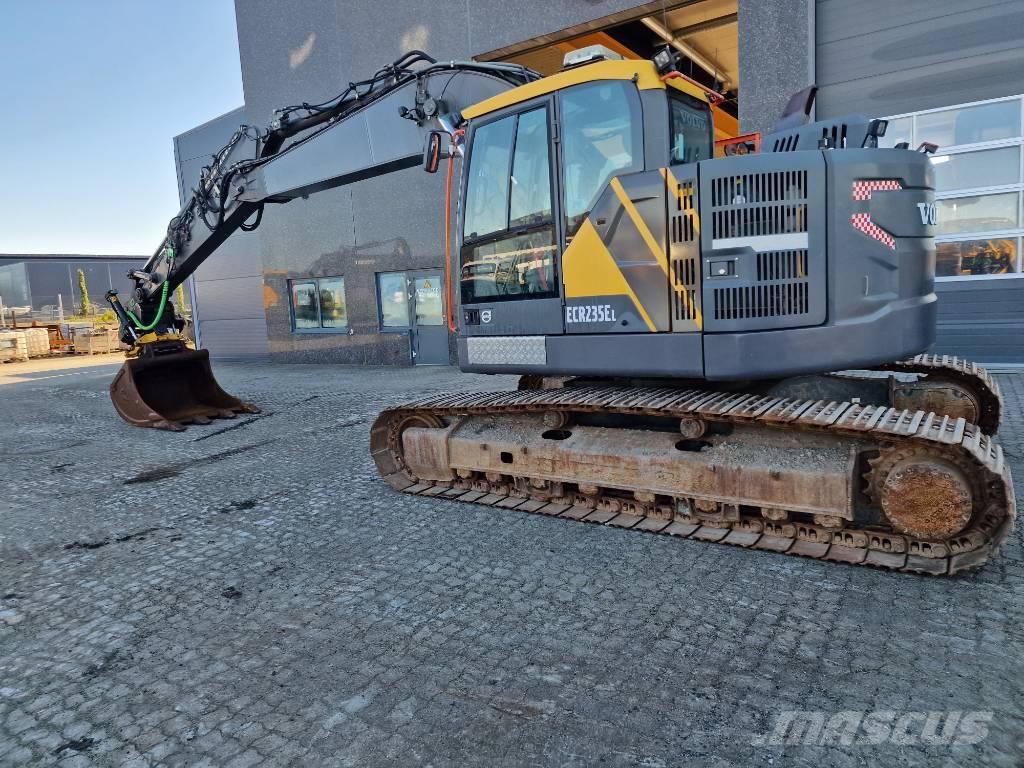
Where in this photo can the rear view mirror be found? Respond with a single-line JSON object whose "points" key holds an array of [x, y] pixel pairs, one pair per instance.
{"points": [[432, 151]]}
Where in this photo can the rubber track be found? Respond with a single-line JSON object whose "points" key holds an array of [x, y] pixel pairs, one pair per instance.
{"points": [[888, 427], [971, 375]]}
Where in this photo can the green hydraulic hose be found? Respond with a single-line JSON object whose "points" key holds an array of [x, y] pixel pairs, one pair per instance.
{"points": [[169, 255], [159, 313]]}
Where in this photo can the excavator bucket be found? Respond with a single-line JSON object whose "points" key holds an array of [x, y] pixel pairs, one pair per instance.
{"points": [[170, 390]]}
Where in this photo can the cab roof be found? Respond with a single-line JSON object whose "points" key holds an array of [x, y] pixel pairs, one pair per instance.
{"points": [[644, 71]]}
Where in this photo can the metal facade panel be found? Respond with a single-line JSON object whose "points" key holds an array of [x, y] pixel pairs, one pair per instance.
{"points": [[981, 319], [193, 148], [230, 298], [880, 59], [229, 286], [236, 339], [841, 19]]}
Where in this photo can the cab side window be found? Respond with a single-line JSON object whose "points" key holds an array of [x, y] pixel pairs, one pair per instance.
{"points": [[602, 137], [509, 231], [531, 173], [487, 203], [691, 129]]}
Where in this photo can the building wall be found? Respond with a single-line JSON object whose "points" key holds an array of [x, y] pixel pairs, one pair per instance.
{"points": [[309, 53], [981, 320], [873, 57], [881, 58], [228, 288], [44, 281], [878, 57]]}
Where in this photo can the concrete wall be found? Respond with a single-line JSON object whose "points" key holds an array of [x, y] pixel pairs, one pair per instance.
{"points": [[229, 286], [776, 42]]}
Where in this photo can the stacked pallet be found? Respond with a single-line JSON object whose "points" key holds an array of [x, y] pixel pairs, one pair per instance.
{"points": [[37, 342], [95, 341], [13, 346]]}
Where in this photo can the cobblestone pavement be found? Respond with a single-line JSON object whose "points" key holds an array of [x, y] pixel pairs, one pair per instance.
{"points": [[249, 593]]}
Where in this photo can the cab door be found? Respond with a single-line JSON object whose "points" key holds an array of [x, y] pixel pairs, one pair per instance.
{"points": [[614, 267], [508, 262]]}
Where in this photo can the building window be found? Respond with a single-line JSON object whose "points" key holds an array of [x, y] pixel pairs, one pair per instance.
{"points": [[394, 300], [979, 183], [319, 304], [332, 303]]}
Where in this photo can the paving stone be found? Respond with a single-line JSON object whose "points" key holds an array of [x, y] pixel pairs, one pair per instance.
{"points": [[258, 595]]}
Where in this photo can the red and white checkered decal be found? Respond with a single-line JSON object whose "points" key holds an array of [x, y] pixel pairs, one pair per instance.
{"points": [[862, 189], [862, 221]]}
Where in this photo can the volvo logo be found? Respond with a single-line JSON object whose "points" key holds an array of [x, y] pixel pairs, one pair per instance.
{"points": [[929, 214]]}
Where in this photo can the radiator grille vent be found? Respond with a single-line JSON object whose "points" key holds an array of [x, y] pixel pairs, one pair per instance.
{"points": [[836, 133], [771, 187], [781, 265], [762, 227], [759, 301], [685, 305], [786, 143], [682, 218], [756, 204]]}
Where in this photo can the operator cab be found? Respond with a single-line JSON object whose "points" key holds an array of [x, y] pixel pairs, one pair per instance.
{"points": [[539, 158]]}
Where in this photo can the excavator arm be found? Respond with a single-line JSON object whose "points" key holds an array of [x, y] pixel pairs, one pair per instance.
{"points": [[375, 126]]}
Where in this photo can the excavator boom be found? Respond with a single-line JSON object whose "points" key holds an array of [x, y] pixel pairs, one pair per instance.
{"points": [[374, 127]]}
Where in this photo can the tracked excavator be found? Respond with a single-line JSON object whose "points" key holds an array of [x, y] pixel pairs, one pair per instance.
{"points": [[729, 349]]}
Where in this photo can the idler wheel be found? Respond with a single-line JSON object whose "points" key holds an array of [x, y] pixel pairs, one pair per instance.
{"points": [[927, 498]]}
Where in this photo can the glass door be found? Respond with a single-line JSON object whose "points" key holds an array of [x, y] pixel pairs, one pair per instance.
{"points": [[429, 333], [413, 302]]}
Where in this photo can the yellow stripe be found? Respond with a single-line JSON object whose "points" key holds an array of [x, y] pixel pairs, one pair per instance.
{"points": [[670, 179], [645, 233], [588, 269]]}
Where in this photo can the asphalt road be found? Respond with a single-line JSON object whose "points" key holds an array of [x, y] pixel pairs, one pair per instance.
{"points": [[249, 593]]}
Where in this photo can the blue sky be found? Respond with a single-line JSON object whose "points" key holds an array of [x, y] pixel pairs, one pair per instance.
{"points": [[91, 94]]}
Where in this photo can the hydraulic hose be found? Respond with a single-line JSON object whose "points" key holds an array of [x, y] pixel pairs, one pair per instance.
{"points": [[169, 255], [159, 313]]}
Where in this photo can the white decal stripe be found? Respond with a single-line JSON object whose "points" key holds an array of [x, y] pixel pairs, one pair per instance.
{"points": [[791, 242]]}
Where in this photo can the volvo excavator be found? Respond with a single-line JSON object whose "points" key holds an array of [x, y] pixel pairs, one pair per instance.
{"points": [[729, 349]]}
